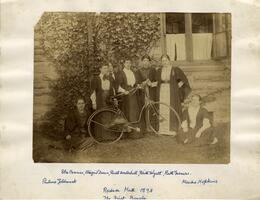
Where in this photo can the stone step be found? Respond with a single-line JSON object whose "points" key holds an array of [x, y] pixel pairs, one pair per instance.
{"points": [[206, 73], [210, 93], [197, 62], [203, 68], [209, 75], [209, 79], [211, 85]]}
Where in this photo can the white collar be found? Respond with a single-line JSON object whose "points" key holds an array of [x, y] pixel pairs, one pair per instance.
{"points": [[125, 69], [101, 76], [193, 108]]}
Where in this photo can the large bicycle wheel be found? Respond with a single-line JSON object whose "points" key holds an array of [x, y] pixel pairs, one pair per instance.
{"points": [[160, 121], [102, 127]]}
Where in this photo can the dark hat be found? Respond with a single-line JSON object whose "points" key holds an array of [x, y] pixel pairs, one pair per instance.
{"points": [[126, 58], [165, 56], [146, 57]]}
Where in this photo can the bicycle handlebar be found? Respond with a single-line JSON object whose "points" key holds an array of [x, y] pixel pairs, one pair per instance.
{"points": [[132, 91]]}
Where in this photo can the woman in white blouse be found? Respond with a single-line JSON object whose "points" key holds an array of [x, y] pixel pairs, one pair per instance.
{"points": [[101, 91], [127, 80], [173, 88]]}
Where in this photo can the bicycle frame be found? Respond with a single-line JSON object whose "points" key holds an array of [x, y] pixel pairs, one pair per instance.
{"points": [[150, 102], [118, 112]]}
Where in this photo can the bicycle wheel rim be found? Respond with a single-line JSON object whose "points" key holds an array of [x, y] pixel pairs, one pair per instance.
{"points": [[90, 121], [157, 105]]}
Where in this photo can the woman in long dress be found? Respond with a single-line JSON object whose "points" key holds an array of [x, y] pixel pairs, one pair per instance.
{"points": [[127, 80], [173, 89], [147, 74], [102, 89]]}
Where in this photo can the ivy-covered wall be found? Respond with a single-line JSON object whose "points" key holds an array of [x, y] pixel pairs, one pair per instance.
{"points": [[70, 47]]}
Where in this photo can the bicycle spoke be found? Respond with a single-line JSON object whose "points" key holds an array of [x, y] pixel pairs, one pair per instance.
{"points": [[159, 117], [158, 113], [96, 122], [108, 129]]}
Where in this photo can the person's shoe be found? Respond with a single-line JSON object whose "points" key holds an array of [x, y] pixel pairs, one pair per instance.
{"points": [[127, 129], [215, 141], [170, 133], [186, 141], [149, 130], [149, 133]]}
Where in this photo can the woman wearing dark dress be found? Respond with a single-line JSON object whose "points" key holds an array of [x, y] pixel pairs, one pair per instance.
{"points": [[173, 89], [148, 78], [102, 88], [76, 126], [127, 80], [112, 72], [197, 124]]}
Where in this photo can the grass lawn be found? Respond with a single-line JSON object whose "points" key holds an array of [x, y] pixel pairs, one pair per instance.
{"points": [[150, 149]]}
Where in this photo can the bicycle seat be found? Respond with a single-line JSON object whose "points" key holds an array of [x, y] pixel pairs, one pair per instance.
{"points": [[118, 98]]}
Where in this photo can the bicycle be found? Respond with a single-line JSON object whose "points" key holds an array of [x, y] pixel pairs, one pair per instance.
{"points": [[118, 123]]}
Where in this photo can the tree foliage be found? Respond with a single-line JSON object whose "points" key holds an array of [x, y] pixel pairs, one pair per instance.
{"points": [[126, 34], [78, 43]]}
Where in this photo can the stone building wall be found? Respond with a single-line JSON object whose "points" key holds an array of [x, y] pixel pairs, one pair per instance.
{"points": [[44, 71]]}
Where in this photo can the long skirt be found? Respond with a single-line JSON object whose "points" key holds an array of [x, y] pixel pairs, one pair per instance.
{"points": [[101, 133], [164, 125], [132, 111]]}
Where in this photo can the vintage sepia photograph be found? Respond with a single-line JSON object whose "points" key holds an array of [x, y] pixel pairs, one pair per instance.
{"points": [[132, 88]]}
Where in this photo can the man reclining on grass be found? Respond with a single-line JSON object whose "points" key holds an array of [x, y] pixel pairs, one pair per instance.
{"points": [[197, 124]]}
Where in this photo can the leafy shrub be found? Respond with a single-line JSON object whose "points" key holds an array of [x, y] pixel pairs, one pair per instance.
{"points": [[78, 43]]}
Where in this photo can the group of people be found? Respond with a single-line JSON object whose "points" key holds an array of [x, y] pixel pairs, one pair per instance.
{"points": [[166, 84]]}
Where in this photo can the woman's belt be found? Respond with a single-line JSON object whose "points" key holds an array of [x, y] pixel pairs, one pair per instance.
{"points": [[165, 81], [129, 87]]}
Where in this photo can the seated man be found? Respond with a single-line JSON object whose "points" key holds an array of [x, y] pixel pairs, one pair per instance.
{"points": [[196, 125], [77, 137]]}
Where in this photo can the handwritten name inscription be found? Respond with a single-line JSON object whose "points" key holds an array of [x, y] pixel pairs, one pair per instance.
{"points": [[153, 173], [126, 193], [199, 181], [58, 181], [121, 192]]}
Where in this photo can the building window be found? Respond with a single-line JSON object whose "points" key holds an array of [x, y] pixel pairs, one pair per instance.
{"points": [[202, 23], [175, 36], [202, 36], [175, 23]]}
